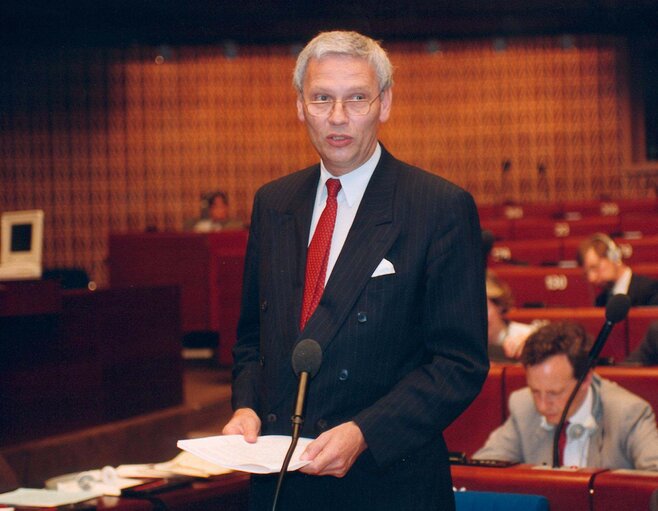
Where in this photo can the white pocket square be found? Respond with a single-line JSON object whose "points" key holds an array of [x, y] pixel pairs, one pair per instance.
{"points": [[385, 267]]}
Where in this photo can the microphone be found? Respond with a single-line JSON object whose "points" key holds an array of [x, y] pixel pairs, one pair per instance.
{"points": [[616, 310], [306, 361]]}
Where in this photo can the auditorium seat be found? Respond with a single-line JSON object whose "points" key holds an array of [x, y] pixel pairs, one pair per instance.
{"points": [[643, 223], [639, 319], [648, 269], [529, 252], [500, 227], [471, 429], [546, 286], [537, 228], [592, 318], [642, 381]]}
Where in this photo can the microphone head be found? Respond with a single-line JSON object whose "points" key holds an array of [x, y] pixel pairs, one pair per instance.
{"points": [[617, 308], [307, 357]]}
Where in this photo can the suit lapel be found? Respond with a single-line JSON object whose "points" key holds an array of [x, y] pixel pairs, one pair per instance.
{"points": [[289, 252], [369, 240]]}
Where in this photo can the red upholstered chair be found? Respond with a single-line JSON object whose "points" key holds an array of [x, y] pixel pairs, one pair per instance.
{"points": [[642, 381], [644, 223], [547, 286], [639, 319], [501, 227], [530, 252], [471, 429]]}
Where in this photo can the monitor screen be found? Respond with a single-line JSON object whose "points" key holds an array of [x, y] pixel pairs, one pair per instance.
{"points": [[21, 237]]}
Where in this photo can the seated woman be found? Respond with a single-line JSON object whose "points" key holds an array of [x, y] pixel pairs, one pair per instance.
{"points": [[506, 338]]}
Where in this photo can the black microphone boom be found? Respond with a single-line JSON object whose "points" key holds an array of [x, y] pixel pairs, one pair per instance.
{"points": [[615, 311], [306, 361]]}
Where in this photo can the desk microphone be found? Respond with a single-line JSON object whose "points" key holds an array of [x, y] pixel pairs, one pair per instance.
{"points": [[615, 311], [306, 361]]}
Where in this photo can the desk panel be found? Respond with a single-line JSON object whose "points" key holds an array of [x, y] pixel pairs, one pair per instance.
{"points": [[207, 268], [566, 490], [621, 490]]}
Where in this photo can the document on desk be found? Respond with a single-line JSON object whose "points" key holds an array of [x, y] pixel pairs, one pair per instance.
{"points": [[45, 498], [265, 456]]}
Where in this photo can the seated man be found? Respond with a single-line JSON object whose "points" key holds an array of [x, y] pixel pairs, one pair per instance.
{"points": [[608, 426], [601, 260], [646, 353]]}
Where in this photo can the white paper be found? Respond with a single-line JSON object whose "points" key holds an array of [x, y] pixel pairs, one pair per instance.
{"points": [[45, 498], [265, 456], [189, 464]]}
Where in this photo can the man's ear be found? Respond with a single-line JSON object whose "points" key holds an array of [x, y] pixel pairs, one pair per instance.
{"points": [[386, 102], [300, 108]]}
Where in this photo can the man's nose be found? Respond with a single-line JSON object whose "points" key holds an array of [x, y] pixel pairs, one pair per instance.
{"points": [[337, 114]]}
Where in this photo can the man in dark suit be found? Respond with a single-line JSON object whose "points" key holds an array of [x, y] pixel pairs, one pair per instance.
{"points": [[601, 260], [402, 315]]}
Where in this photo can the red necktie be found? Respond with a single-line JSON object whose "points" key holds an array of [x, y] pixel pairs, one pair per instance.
{"points": [[318, 253], [562, 443]]}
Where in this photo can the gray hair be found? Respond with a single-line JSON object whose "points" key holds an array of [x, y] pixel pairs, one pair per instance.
{"points": [[352, 44]]}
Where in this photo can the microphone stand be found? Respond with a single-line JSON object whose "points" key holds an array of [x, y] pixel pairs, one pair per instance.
{"points": [[297, 421], [563, 417]]}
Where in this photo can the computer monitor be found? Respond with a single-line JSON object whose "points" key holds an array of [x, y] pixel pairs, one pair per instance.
{"points": [[21, 244]]}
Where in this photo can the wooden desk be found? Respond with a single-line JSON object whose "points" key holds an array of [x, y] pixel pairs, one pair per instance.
{"points": [[226, 493], [566, 490], [105, 355], [207, 267]]}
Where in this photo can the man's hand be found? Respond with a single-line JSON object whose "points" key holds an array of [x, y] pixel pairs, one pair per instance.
{"points": [[334, 451], [513, 346], [244, 422]]}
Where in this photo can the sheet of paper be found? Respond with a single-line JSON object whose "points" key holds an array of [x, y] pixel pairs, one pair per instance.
{"points": [[189, 464], [265, 456], [45, 498]]}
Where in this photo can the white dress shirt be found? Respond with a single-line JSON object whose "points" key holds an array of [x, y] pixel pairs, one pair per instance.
{"points": [[353, 186]]}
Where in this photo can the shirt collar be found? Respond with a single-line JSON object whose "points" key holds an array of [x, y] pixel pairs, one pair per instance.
{"points": [[623, 283], [354, 183]]}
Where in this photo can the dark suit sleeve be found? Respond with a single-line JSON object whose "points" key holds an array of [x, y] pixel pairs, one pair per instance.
{"points": [[452, 318], [246, 355]]}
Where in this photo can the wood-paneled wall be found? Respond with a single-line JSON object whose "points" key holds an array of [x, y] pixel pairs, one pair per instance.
{"points": [[127, 139]]}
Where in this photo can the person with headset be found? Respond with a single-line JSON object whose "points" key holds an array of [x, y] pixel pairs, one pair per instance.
{"points": [[601, 260], [607, 425]]}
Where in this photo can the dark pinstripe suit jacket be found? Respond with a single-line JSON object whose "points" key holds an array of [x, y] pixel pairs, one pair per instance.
{"points": [[403, 354]]}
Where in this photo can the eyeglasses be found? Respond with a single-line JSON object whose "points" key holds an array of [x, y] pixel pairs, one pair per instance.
{"points": [[324, 107]]}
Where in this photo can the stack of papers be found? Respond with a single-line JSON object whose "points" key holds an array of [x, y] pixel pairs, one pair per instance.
{"points": [[45, 498], [185, 463], [265, 456]]}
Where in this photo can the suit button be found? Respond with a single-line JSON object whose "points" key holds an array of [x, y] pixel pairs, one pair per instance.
{"points": [[343, 375], [271, 417], [361, 317], [321, 425], [263, 305], [261, 361]]}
